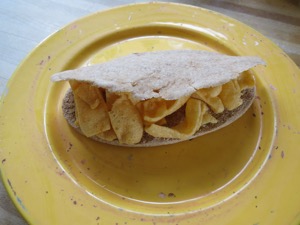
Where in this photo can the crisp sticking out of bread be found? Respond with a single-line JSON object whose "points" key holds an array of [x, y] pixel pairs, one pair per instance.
{"points": [[224, 119], [158, 98], [164, 74]]}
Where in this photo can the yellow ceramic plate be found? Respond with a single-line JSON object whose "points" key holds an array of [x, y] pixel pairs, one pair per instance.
{"points": [[246, 173]]}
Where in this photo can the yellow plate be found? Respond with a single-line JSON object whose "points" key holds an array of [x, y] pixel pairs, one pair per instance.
{"points": [[246, 173]]}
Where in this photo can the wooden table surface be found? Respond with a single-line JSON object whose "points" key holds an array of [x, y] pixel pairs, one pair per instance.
{"points": [[25, 23]]}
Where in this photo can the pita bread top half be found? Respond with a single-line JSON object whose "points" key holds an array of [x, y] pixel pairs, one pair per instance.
{"points": [[164, 74]]}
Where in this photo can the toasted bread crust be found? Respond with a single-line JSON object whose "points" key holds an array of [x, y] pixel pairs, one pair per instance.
{"points": [[224, 119]]}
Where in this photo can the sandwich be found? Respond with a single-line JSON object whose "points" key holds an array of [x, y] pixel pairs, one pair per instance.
{"points": [[157, 98]]}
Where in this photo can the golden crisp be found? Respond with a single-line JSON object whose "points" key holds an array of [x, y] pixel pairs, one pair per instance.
{"points": [[246, 80], [208, 118], [154, 110], [212, 91], [88, 93], [163, 121], [210, 97], [108, 135], [126, 121], [164, 132], [110, 99], [231, 95], [74, 84], [194, 112], [91, 121]]}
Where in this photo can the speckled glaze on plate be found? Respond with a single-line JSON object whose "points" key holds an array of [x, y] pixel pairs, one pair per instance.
{"points": [[246, 173]]}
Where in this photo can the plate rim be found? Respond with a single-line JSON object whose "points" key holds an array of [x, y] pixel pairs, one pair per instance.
{"points": [[6, 185]]}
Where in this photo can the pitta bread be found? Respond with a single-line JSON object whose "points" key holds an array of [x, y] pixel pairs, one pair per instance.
{"points": [[164, 74]]}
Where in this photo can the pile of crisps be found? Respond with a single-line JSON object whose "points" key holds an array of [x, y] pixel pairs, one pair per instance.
{"points": [[112, 116]]}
